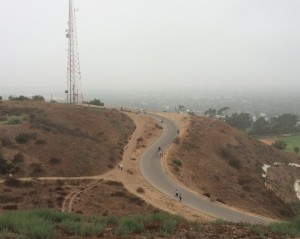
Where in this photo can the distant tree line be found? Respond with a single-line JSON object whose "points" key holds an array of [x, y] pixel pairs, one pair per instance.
{"points": [[95, 102], [282, 124], [25, 98], [216, 113]]}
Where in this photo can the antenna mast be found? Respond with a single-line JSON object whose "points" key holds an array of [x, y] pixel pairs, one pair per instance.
{"points": [[74, 95]]}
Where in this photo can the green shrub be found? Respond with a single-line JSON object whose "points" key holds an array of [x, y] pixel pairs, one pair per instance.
{"points": [[289, 228], [129, 225], [177, 162], [234, 162], [24, 117], [231, 159], [70, 226], [22, 138], [279, 144], [220, 222], [196, 226], [5, 167], [56, 217], [295, 207], [27, 223], [161, 222], [111, 219], [14, 119], [258, 230]]}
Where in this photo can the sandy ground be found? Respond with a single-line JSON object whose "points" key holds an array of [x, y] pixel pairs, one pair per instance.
{"points": [[267, 141]]}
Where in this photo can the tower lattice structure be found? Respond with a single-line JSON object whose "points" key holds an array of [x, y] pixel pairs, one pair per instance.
{"points": [[74, 95]]}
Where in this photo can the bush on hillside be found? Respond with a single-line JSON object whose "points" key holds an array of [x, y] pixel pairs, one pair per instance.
{"points": [[96, 102], [279, 144], [5, 167], [22, 138], [17, 119], [231, 159], [38, 98], [177, 162]]}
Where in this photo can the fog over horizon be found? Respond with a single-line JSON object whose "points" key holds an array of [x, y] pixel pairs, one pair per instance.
{"points": [[211, 46]]}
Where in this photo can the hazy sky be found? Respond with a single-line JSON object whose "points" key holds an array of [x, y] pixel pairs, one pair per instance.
{"points": [[139, 44]]}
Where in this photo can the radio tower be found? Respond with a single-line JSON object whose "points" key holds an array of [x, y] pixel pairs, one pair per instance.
{"points": [[74, 95]]}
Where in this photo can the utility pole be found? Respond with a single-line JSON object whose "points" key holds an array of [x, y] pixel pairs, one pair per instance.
{"points": [[74, 95]]}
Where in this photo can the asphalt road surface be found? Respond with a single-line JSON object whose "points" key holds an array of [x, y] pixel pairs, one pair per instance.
{"points": [[152, 170]]}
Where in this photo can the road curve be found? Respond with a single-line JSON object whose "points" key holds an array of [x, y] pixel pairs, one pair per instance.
{"points": [[152, 170]]}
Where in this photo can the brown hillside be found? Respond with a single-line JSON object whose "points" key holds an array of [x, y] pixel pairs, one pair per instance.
{"points": [[225, 164], [63, 140]]}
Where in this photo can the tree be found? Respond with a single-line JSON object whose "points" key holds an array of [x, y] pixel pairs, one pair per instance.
{"points": [[180, 108], [296, 150], [20, 98], [261, 127], [241, 121], [285, 123], [279, 144], [220, 111], [96, 102], [210, 112], [38, 98]]}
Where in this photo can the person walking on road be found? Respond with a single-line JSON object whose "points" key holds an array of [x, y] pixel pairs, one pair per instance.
{"points": [[180, 197], [176, 193]]}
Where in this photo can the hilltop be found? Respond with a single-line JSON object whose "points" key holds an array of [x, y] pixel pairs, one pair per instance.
{"points": [[44, 139]]}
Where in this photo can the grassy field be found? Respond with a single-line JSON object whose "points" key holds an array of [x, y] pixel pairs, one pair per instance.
{"points": [[292, 142], [47, 224]]}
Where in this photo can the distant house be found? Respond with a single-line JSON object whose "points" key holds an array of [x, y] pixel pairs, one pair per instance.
{"points": [[253, 118]]}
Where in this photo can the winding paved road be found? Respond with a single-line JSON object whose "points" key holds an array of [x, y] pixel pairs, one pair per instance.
{"points": [[152, 170]]}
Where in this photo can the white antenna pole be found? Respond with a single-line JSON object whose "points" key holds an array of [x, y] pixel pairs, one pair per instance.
{"points": [[73, 66]]}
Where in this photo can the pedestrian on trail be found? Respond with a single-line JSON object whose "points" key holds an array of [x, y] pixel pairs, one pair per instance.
{"points": [[121, 166], [176, 193], [180, 197]]}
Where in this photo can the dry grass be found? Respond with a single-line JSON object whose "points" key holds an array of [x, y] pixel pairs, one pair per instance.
{"points": [[64, 140], [226, 165], [109, 197]]}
